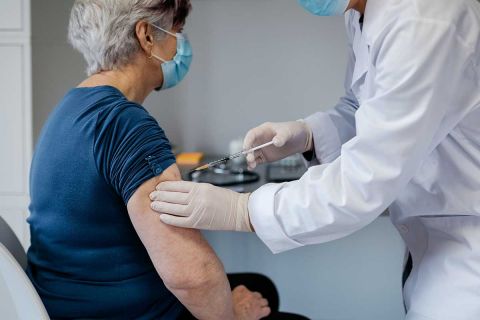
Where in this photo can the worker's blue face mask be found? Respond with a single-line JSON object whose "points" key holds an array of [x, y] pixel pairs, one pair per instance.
{"points": [[175, 70], [325, 7]]}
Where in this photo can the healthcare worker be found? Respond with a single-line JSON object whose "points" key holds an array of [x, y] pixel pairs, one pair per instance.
{"points": [[405, 136]]}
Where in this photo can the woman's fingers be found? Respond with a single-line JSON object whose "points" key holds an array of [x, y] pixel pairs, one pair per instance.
{"points": [[265, 312], [257, 295], [249, 304], [264, 302]]}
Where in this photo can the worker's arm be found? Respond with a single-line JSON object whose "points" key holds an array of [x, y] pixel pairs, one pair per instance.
{"points": [[414, 105], [415, 102], [334, 127], [183, 259]]}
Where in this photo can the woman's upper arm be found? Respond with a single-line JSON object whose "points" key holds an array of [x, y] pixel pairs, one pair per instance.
{"points": [[133, 155], [172, 250]]}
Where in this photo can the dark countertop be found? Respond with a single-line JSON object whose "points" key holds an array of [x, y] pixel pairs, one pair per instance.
{"points": [[262, 170]]}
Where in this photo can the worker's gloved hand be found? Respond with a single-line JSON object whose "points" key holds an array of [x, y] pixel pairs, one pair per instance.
{"points": [[201, 206], [288, 138]]}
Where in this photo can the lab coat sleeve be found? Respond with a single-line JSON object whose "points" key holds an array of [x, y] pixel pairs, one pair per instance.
{"points": [[416, 63], [332, 128]]}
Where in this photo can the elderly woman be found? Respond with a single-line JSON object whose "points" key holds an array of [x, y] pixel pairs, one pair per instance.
{"points": [[98, 250]]}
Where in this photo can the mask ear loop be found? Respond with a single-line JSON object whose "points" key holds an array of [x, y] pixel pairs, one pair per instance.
{"points": [[157, 57], [151, 52], [166, 31]]}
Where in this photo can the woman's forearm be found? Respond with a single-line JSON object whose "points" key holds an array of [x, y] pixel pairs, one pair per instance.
{"points": [[205, 291], [184, 260]]}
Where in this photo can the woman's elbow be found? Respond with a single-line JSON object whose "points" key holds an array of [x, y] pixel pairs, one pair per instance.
{"points": [[196, 275]]}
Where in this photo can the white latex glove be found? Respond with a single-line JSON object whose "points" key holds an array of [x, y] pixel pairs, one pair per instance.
{"points": [[288, 138], [201, 206]]}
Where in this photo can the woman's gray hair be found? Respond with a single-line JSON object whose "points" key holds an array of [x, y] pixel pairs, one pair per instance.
{"points": [[104, 30]]}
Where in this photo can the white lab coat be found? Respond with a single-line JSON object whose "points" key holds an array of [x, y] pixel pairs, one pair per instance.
{"points": [[406, 136]]}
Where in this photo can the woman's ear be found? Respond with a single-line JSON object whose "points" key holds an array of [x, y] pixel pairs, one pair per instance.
{"points": [[144, 35]]}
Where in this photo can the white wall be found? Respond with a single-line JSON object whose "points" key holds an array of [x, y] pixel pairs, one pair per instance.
{"points": [[255, 60], [15, 114], [56, 66], [356, 278]]}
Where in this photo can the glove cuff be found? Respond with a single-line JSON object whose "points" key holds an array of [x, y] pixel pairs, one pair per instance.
{"points": [[309, 137], [243, 218]]}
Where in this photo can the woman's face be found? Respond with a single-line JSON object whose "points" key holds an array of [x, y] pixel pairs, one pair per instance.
{"points": [[156, 51], [167, 47]]}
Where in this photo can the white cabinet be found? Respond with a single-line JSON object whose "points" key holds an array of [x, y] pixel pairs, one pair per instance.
{"points": [[12, 105], [15, 114], [12, 15]]}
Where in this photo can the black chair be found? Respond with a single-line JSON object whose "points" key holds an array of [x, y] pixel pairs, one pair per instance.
{"points": [[11, 242]]}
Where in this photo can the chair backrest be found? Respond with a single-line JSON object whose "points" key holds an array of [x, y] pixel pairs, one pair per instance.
{"points": [[11, 242], [18, 298]]}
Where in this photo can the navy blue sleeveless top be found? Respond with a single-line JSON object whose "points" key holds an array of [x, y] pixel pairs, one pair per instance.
{"points": [[86, 260]]}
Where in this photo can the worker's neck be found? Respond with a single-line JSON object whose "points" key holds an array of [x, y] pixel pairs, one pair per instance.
{"points": [[358, 5]]}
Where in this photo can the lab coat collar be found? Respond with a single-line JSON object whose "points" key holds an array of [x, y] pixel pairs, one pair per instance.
{"points": [[360, 49], [378, 14]]}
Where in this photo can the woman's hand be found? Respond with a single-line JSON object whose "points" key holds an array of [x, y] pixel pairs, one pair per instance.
{"points": [[248, 305]]}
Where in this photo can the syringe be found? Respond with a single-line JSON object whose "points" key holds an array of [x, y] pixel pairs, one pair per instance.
{"points": [[233, 156]]}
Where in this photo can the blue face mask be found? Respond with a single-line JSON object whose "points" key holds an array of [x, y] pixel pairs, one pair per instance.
{"points": [[175, 70], [325, 7]]}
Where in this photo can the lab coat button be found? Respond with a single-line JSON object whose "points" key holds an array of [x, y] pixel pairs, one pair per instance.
{"points": [[403, 228]]}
